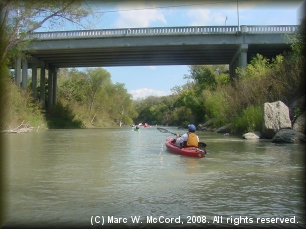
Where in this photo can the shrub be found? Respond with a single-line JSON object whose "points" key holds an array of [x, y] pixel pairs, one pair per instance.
{"points": [[216, 106], [62, 116], [19, 107], [249, 120]]}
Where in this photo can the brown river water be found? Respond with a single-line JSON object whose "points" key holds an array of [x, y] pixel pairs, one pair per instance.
{"points": [[119, 177]]}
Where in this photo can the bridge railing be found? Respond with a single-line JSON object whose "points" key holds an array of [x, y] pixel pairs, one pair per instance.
{"points": [[187, 30], [269, 29]]}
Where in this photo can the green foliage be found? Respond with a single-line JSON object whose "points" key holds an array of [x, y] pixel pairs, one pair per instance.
{"points": [[188, 99], [23, 17], [181, 116], [216, 106], [223, 79], [250, 119], [156, 110], [73, 86], [121, 106], [18, 19], [62, 117], [297, 112], [258, 67], [96, 78], [298, 41], [187, 104], [18, 107], [94, 98], [203, 76]]}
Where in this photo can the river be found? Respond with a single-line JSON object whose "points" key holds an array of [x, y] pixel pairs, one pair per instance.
{"points": [[116, 176]]}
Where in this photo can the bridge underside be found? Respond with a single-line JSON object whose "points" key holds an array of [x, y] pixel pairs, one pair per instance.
{"points": [[52, 53], [153, 55]]}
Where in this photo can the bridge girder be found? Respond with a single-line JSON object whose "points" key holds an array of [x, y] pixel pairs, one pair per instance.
{"points": [[150, 51]]}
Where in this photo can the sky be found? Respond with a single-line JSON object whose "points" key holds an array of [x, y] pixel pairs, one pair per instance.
{"points": [[143, 81]]}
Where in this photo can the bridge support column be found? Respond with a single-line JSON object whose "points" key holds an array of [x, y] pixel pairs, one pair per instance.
{"points": [[243, 56], [54, 85], [24, 74], [42, 87], [18, 72], [34, 81], [239, 60], [50, 88]]}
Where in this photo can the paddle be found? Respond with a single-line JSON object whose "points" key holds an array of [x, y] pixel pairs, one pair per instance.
{"points": [[201, 145], [165, 131]]}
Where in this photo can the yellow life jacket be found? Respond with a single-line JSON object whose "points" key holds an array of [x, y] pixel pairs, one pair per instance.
{"points": [[192, 141]]}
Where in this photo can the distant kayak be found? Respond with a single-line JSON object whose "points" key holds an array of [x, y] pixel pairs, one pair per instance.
{"points": [[136, 128], [146, 125], [187, 151]]}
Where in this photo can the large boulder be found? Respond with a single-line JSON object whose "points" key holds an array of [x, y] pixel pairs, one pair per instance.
{"points": [[289, 136], [225, 129], [207, 125], [275, 117], [300, 123]]}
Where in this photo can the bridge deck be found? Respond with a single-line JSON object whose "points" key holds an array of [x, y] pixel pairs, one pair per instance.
{"points": [[157, 46]]}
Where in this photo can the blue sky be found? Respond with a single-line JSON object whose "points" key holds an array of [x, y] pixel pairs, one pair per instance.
{"points": [[158, 80]]}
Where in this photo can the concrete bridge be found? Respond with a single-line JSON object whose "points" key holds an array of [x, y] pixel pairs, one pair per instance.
{"points": [[198, 45]]}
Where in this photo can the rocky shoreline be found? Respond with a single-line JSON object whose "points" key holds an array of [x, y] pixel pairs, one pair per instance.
{"points": [[281, 123]]}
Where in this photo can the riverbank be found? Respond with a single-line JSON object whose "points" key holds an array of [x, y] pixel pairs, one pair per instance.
{"points": [[22, 128]]}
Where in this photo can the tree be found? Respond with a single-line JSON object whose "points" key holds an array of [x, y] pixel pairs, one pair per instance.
{"points": [[192, 101], [20, 18], [94, 98], [258, 67], [203, 76], [122, 109], [72, 85], [156, 110], [96, 78]]}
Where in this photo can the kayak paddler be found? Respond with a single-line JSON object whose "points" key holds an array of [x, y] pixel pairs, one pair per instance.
{"points": [[189, 139]]}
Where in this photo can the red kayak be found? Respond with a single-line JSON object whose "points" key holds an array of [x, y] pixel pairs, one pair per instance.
{"points": [[187, 151]]}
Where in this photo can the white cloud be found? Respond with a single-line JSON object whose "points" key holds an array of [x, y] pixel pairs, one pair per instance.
{"points": [[205, 17], [199, 17], [270, 12], [145, 92], [129, 16]]}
